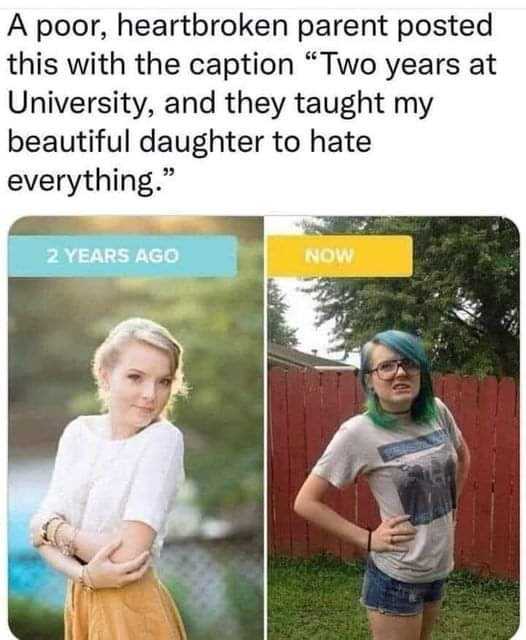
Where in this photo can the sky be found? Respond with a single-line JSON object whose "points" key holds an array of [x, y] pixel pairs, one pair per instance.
{"points": [[300, 314]]}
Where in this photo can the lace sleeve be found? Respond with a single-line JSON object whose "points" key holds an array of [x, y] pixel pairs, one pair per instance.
{"points": [[157, 479], [55, 500]]}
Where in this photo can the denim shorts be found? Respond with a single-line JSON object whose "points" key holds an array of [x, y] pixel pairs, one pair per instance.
{"points": [[387, 595]]}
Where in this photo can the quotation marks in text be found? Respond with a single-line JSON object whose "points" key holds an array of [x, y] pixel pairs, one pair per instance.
{"points": [[168, 172], [341, 65]]}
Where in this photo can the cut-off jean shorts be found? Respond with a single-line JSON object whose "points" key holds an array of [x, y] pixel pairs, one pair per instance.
{"points": [[386, 595]]}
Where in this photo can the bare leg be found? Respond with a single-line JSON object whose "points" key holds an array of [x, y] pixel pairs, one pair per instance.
{"points": [[430, 616], [389, 627]]}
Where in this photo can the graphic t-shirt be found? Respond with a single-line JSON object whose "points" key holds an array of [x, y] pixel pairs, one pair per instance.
{"points": [[411, 470]]}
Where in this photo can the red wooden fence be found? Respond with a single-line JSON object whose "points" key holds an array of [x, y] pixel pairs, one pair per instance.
{"points": [[305, 409]]}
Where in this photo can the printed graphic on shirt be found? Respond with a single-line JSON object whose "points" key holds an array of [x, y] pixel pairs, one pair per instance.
{"points": [[426, 485], [395, 450]]}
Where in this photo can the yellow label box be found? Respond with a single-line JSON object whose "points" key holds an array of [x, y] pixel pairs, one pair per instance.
{"points": [[340, 256]]}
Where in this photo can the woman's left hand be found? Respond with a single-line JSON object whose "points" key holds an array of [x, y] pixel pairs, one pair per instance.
{"points": [[104, 574]]}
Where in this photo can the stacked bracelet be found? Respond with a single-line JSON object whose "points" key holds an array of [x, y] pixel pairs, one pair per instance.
{"points": [[51, 534], [45, 529], [52, 528], [85, 579]]}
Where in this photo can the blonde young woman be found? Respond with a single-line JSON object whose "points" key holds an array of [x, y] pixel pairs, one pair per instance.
{"points": [[415, 459], [116, 475]]}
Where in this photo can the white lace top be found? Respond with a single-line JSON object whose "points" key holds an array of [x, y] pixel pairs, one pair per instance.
{"points": [[99, 482]]}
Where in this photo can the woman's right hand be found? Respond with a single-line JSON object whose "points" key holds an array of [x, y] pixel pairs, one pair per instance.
{"points": [[103, 573], [392, 534]]}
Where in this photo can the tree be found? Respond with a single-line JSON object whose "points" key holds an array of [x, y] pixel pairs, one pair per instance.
{"points": [[278, 329], [463, 297]]}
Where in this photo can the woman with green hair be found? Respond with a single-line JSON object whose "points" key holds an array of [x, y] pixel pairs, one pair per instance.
{"points": [[415, 459]]}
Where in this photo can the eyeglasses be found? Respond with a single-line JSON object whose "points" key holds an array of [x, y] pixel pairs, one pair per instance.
{"points": [[388, 369]]}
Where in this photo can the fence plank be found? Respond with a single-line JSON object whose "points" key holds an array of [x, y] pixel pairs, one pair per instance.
{"points": [[468, 423], [280, 462], [451, 397], [515, 499], [317, 539], [505, 450], [451, 393], [330, 424], [482, 472], [270, 480], [297, 456], [438, 386]]}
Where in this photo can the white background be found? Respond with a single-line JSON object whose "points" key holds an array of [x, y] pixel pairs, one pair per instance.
{"points": [[467, 158]]}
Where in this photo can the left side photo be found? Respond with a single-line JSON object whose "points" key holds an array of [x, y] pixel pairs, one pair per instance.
{"points": [[135, 506]]}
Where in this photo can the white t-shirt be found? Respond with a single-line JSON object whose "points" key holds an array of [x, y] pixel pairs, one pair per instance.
{"points": [[411, 469], [99, 482]]}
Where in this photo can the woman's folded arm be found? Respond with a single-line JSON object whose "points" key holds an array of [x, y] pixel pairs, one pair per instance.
{"points": [[136, 538], [67, 565]]}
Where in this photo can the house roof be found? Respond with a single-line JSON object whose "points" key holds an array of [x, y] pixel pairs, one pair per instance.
{"points": [[279, 355]]}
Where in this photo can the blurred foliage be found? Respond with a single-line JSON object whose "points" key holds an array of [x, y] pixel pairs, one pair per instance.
{"points": [[246, 599], [29, 620], [463, 296], [246, 229], [56, 324], [278, 330]]}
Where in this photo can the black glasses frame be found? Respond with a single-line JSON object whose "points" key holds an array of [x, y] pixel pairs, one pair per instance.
{"points": [[399, 363]]}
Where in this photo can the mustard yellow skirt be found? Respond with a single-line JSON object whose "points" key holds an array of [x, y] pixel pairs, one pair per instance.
{"points": [[142, 610]]}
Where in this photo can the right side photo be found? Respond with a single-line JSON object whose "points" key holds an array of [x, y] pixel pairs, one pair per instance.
{"points": [[393, 427]]}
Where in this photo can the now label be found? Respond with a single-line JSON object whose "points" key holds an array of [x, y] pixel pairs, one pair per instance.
{"points": [[350, 256]]}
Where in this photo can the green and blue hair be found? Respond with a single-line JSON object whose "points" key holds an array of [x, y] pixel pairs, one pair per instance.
{"points": [[423, 409]]}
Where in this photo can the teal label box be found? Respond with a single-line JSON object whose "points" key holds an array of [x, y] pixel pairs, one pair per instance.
{"points": [[123, 256]]}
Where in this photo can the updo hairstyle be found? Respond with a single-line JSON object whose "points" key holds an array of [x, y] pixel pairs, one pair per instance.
{"points": [[140, 330]]}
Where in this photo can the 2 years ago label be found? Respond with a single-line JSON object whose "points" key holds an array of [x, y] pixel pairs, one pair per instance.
{"points": [[111, 255]]}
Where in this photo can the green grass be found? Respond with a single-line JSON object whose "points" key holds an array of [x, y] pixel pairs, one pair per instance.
{"points": [[318, 599]]}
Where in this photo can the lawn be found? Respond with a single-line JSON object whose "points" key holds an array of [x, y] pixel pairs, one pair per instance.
{"points": [[318, 599]]}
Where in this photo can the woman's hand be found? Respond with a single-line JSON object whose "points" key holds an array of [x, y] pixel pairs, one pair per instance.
{"points": [[105, 574], [392, 534]]}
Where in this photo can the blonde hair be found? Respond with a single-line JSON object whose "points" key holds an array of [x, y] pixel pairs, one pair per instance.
{"points": [[140, 330]]}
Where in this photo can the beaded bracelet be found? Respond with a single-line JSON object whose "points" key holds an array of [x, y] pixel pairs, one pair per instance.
{"points": [[82, 579], [45, 526], [52, 530]]}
